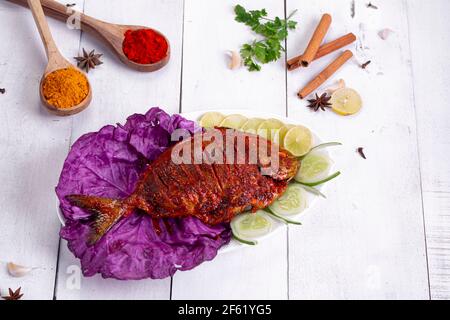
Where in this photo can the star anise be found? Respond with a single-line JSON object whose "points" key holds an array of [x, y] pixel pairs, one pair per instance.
{"points": [[89, 60], [14, 295], [321, 102]]}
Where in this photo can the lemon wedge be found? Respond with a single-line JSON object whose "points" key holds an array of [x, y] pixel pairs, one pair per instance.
{"points": [[346, 101], [234, 121], [252, 124], [298, 141], [211, 119]]}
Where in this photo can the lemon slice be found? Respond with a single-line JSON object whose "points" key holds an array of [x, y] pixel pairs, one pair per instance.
{"points": [[298, 141], [234, 121], [279, 137], [346, 101], [270, 128], [252, 124], [282, 133], [211, 119], [289, 126]]}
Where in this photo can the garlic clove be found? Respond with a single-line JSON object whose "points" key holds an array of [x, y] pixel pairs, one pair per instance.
{"points": [[339, 85], [17, 271], [235, 60], [385, 33]]}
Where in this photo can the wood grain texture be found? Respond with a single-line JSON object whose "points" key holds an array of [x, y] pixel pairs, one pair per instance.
{"points": [[120, 92], [431, 78], [253, 273], [367, 240], [33, 145]]}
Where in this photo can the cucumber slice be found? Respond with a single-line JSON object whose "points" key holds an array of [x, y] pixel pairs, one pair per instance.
{"points": [[334, 175], [325, 145], [284, 219], [314, 167], [249, 242], [292, 202], [249, 226], [314, 191]]}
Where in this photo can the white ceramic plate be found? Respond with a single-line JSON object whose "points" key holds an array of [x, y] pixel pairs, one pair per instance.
{"points": [[277, 225], [311, 199]]}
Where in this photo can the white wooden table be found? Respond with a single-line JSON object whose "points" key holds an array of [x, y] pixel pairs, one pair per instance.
{"points": [[384, 231]]}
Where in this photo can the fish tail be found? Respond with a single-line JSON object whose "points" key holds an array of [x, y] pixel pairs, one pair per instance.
{"points": [[106, 213]]}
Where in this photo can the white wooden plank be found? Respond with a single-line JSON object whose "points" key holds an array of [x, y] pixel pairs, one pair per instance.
{"points": [[252, 273], [370, 241], [437, 207], [430, 47], [210, 31], [367, 240], [33, 145], [118, 93]]}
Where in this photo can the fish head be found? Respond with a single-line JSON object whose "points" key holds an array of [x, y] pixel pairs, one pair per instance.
{"points": [[286, 167]]}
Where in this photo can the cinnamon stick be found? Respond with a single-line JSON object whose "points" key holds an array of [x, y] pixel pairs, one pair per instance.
{"points": [[325, 49], [325, 74], [316, 40]]}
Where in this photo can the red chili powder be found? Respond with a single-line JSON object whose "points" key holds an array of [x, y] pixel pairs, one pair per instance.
{"points": [[144, 46]]}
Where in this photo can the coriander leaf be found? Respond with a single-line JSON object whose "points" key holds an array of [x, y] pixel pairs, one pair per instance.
{"points": [[282, 34], [239, 11], [278, 22], [258, 13], [260, 51], [291, 25], [273, 31], [251, 65], [246, 51]]}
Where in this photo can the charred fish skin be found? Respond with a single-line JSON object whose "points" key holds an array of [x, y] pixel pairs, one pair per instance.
{"points": [[212, 192], [236, 187]]}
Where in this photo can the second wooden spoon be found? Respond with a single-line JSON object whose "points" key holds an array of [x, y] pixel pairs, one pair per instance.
{"points": [[112, 34]]}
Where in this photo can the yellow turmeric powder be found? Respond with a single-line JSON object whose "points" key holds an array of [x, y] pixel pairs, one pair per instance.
{"points": [[65, 88]]}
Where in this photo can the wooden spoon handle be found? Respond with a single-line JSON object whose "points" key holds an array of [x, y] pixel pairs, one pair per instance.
{"points": [[41, 22]]}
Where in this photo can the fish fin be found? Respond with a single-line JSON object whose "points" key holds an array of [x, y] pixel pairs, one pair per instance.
{"points": [[106, 213]]}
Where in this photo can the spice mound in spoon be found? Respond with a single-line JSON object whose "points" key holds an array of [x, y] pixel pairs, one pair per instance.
{"points": [[65, 88], [145, 46]]}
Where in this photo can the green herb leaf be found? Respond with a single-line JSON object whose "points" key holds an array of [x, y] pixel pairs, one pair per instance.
{"points": [[273, 32]]}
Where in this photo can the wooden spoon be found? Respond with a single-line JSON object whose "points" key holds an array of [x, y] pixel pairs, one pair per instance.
{"points": [[55, 61], [112, 34]]}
